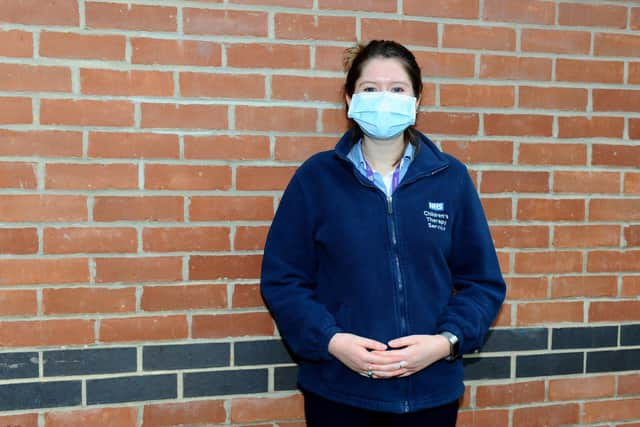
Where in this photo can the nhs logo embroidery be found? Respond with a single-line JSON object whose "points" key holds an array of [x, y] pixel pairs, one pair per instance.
{"points": [[436, 206], [437, 218]]}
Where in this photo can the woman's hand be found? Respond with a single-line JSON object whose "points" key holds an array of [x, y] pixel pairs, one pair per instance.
{"points": [[413, 353], [361, 354]]}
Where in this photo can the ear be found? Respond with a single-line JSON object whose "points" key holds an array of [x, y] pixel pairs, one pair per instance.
{"points": [[347, 99]]}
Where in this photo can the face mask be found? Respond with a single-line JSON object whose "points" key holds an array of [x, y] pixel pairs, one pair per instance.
{"points": [[382, 115]]}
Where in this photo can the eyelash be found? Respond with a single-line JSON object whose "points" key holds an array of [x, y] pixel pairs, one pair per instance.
{"points": [[373, 89]]}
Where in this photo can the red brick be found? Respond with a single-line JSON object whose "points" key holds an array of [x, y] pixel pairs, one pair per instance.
{"points": [[581, 388], [247, 296], [250, 238], [403, 31], [631, 235], [609, 261], [478, 37], [224, 267], [18, 175], [22, 420], [510, 394], [52, 332], [18, 303], [482, 418], [314, 27], [101, 417], [515, 68], [45, 270], [504, 316], [36, 12], [583, 286], [441, 122], [86, 176], [18, 241], [170, 298], [225, 22], [249, 409], [133, 145], [130, 17], [514, 181], [34, 78], [206, 85], [548, 262], [263, 177], [615, 155], [548, 415], [616, 100], [480, 151], [526, 288], [614, 210], [224, 208], [82, 46], [126, 83], [335, 121], [634, 73], [585, 15], [298, 88], [585, 71], [184, 116], [187, 177], [462, 9], [518, 125], [175, 52], [586, 236], [42, 208], [88, 300], [148, 208], [551, 210], [609, 410], [300, 4], [274, 119], [509, 236], [634, 128], [268, 56], [441, 64], [614, 311], [504, 259], [635, 18], [232, 325], [586, 182], [630, 286], [86, 112], [554, 98], [541, 313], [476, 96], [16, 43], [186, 239], [143, 329], [552, 154], [497, 209], [217, 147], [521, 11], [593, 127], [329, 58], [40, 143], [629, 384], [78, 240], [136, 270], [554, 41], [619, 45], [359, 5], [15, 110], [185, 413]]}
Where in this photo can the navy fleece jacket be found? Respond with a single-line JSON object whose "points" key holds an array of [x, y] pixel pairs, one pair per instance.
{"points": [[341, 257]]}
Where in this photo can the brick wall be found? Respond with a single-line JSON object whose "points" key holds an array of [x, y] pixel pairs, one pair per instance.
{"points": [[144, 146]]}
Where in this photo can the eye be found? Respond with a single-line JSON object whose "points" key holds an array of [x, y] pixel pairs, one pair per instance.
{"points": [[397, 89], [369, 89]]}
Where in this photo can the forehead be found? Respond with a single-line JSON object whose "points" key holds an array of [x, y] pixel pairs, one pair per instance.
{"points": [[384, 69]]}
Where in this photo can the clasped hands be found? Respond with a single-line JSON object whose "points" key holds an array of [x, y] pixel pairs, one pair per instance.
{"points": [[405, 356]]}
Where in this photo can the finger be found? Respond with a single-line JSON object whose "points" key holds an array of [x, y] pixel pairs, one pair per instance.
{"points": [[388, 374], [396, 366], [382, 358], [371, 344], [402, 341]]}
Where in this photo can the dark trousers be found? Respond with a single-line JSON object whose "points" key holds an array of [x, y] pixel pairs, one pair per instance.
{"points": [[321, 412]]}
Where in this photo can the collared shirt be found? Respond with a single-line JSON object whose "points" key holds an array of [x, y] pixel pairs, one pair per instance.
{"points": [[382, 182]]}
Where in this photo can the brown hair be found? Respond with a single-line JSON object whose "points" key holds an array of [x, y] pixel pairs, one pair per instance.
{"points": [[354, 60]]}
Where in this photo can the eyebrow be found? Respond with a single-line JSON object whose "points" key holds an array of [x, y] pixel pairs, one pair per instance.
{"points": [[374, 82]]}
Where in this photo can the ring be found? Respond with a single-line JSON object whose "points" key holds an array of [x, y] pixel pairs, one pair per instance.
{"points": [[369, 373], [403, 363]]}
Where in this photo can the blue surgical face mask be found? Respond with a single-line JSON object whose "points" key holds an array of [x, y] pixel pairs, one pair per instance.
{"points": [[382, 115]]}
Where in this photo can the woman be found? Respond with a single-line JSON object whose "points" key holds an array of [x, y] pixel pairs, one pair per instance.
{"points": [[379, 268]]}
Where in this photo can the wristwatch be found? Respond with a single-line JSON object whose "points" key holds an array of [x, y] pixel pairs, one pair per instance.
{"points": [[454, 345]]}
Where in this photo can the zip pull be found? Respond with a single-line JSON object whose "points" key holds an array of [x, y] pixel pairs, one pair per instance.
{"points": [[389, 205]]}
